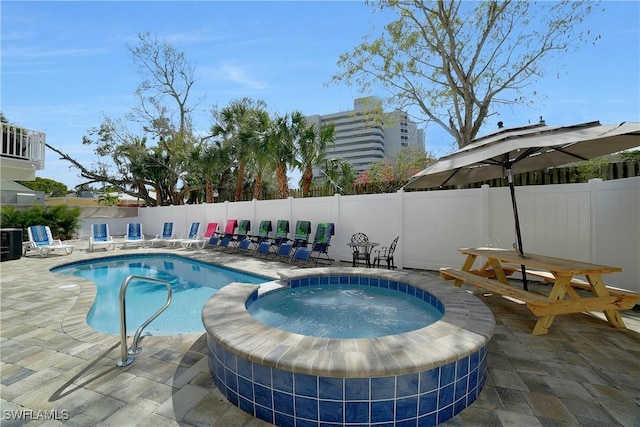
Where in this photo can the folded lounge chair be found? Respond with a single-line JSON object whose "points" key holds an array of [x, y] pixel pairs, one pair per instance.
{"points": [[100, 237], [271, 246], [242, 240], [211, 230], [42, 242], [134, 236], [300, 240]]}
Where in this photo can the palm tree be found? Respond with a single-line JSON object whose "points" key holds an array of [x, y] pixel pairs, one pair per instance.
{"points": [[254, 135], [229, 123], [312, 152], [281, 149]]}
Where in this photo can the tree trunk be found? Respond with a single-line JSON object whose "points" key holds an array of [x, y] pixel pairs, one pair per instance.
{"points": [[283, 182], [307, 177], [209, 191], [240, 181], [257, 189]]}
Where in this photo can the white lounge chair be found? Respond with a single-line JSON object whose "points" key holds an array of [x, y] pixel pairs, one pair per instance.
{"points": [[42, 242], [100, 237], [193, 235], [134, 236], [165, 236], [212, 227]]}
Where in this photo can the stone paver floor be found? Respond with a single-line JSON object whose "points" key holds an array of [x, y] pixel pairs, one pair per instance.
{"points": [[56, 370]]}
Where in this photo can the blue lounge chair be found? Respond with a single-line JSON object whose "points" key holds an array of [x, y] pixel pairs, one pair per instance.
{"points": [[194, 229], [134, 236], [100, 237], [41, 242], [165, 236]]}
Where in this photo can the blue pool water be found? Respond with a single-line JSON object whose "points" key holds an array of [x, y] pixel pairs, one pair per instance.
{"points": [[343, 311], [192, 283]]}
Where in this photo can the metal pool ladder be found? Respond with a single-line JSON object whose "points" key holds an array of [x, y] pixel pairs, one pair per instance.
{"points": [[125, 359]]}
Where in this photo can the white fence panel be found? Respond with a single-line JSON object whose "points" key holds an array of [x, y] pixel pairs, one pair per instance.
{"points": [[597, 222]]}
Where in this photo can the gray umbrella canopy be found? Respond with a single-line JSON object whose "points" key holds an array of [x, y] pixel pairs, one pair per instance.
{"points": [[526, 149]]}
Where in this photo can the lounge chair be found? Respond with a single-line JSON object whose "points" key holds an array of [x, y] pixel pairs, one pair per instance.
{"points": [[300, 240], [270, 246], [211, 230], [100, 237], [242, 239], [321, 242], [193, 235], [165, 236], [386, 253], [134, 236], [225, 238], [42, 242]]}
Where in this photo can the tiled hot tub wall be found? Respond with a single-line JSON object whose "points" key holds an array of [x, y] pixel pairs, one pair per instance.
{"points": [[419, 378]]}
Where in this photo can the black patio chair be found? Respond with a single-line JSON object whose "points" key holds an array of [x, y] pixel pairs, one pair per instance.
{"points": [[386, 253]]}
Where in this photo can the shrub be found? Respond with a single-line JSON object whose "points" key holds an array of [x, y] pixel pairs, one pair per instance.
{"points": [[63, 220]]}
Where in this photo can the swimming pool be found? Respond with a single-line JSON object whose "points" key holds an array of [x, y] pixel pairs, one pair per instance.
{"points": [[343, 311], [192, 282]]}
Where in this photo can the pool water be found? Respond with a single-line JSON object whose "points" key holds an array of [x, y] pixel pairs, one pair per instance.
{"points": [[343, 311], [192, 283]]}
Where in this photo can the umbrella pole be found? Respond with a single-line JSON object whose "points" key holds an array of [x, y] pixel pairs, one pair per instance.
{"points": [[518, 234]]}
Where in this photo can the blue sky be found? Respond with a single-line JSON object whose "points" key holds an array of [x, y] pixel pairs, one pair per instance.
{"points": [[66, 65]]}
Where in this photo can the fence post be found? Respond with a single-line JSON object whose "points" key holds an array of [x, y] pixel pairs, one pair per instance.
{"points": [[594, 187], [485, 215], [399, 260]]}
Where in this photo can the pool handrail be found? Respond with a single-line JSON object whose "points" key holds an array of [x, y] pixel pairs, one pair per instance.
{"points": [[125, 360]]}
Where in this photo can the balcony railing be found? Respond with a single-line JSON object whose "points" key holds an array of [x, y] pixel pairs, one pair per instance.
{"points": [[23, 144]]}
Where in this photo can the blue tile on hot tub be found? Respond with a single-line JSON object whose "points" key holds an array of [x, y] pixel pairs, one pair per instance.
{"points": [[407, 385], [283, 381], [246, 405], [344, 280], [383, 388], [264, 414], [382, 410], [231, 379], [354, 280], [474, 361], [365, 281], [306, 423], [305, 385], [244, 368], [356, 412], [331, 411], [262, 375], [445, 396], [263, 396], [445, 413], [304, 281], [245, 388], [374, 281], [331, 388], [447, 374], [428, 403], [306, 408], [393, 285], [429, 420], [356, 389], [324, 280], [402, 287], [461, 388], [429, 380], [283, 420], [407, 407], [314, 281], [283, 402], [462, 367]]}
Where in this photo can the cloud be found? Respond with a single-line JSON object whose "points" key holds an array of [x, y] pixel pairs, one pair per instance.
{"points": [[231, 72]]}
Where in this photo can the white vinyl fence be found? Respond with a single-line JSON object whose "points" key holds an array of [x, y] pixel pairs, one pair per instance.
{"points": [[596, 222]]}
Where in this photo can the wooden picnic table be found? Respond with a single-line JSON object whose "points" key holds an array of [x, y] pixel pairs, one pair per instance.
{"points": [[500, 263]]}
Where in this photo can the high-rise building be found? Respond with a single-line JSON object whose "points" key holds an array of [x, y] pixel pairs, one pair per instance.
{"points": [[366, 134]]}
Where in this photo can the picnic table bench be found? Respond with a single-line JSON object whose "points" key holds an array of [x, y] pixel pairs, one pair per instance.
{"points": [[492, 276]]}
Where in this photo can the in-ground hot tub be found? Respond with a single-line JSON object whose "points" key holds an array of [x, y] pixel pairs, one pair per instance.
{"points": [[421, 377]]}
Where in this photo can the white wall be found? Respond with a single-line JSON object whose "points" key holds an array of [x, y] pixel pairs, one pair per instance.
{"points": [[596, 222]]}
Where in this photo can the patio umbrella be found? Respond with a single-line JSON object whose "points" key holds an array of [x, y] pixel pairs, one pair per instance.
{"points": [[524, 149]]}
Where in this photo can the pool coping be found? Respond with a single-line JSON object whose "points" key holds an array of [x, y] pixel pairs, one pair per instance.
{"points": [[466, 326]]}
